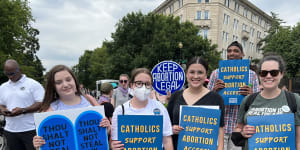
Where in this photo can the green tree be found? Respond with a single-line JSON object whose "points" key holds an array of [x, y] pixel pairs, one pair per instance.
{"points": [[18, 38], [293, 57], [284, 41], [144, 40], [99, 64], [82, 69], [275, 26]]}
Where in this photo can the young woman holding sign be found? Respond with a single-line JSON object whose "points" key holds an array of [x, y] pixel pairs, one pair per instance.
{"points": [[140, 104], [271, 70], [62, 93], [195, 94]]}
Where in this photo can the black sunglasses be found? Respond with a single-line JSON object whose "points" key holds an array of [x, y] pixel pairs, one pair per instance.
{"points": [[121, 81], [264, 73], [11, 73]]}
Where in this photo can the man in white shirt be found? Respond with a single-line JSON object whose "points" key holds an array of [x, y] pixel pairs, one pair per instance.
{"points": [[20, 97]]}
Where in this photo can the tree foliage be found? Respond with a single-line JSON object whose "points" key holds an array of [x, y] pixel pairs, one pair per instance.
{"points": [[144, 40], [84, 64], [18, 38], [284, 40], [99, 64]]}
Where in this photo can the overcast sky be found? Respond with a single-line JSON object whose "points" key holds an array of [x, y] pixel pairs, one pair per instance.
{"points": [[68, 27]]}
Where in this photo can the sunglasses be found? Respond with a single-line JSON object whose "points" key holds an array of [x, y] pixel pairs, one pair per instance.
{"points": [[11, 73], [264, 73], [123, 81]]}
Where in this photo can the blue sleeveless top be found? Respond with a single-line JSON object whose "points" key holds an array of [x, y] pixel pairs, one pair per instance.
{"points": [[59, 105]]}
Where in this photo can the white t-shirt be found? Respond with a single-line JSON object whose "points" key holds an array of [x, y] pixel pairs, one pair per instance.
{"points": [[148, 110], [22, 93]]}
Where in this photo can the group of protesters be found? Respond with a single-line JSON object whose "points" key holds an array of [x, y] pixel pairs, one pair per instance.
{"points": [[22, 96]]}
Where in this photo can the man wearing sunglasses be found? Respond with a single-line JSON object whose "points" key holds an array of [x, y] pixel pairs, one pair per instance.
{"points": [[234, 51], [122, 93], [20, 97]]}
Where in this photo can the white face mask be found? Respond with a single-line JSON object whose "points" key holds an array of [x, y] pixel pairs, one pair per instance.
{"points": [[141, 93]]}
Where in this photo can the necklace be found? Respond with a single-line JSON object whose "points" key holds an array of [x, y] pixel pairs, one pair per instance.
{"points": [[192, 97]]}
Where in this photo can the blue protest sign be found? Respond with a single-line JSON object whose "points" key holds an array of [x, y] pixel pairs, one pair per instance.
{"points": [[235, 74], [58, 133], [201, 128], [89, 134], [72, 129], [167, 76], [272, 132], [140, 131]]}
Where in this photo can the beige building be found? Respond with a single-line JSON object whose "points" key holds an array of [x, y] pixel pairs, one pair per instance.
{"points": [[223, 21]]}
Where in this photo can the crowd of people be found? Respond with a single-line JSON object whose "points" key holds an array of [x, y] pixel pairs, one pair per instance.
{"points": [[22, 96]]}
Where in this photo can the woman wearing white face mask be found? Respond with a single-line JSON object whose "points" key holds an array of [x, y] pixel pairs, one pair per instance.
{"points": [[140, 104]]}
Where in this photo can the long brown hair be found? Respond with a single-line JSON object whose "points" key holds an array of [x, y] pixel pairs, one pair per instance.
{"points": [[50, 91]]}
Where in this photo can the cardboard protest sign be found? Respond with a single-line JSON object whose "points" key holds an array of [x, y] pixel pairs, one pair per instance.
{"points": [[201, 127], [140, 131], [167, 76], [273, 132], [235, 74], [74, 129]]}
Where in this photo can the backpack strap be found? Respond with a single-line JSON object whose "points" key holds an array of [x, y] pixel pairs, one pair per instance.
{"points": [[290, 97], [123, 110], [250, 100]]}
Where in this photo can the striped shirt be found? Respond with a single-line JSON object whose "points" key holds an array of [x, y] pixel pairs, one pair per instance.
{"points": [[231, 111]]}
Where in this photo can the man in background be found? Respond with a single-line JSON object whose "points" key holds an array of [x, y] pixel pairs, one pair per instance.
{"points": [[20, 97], [234, 51]]}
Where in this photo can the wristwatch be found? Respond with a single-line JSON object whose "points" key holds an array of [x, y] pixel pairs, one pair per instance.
{"points": [[23, 111]]}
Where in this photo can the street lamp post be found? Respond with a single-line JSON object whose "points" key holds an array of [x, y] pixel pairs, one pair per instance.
{"points": [[180, 45], [182, 62]]}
